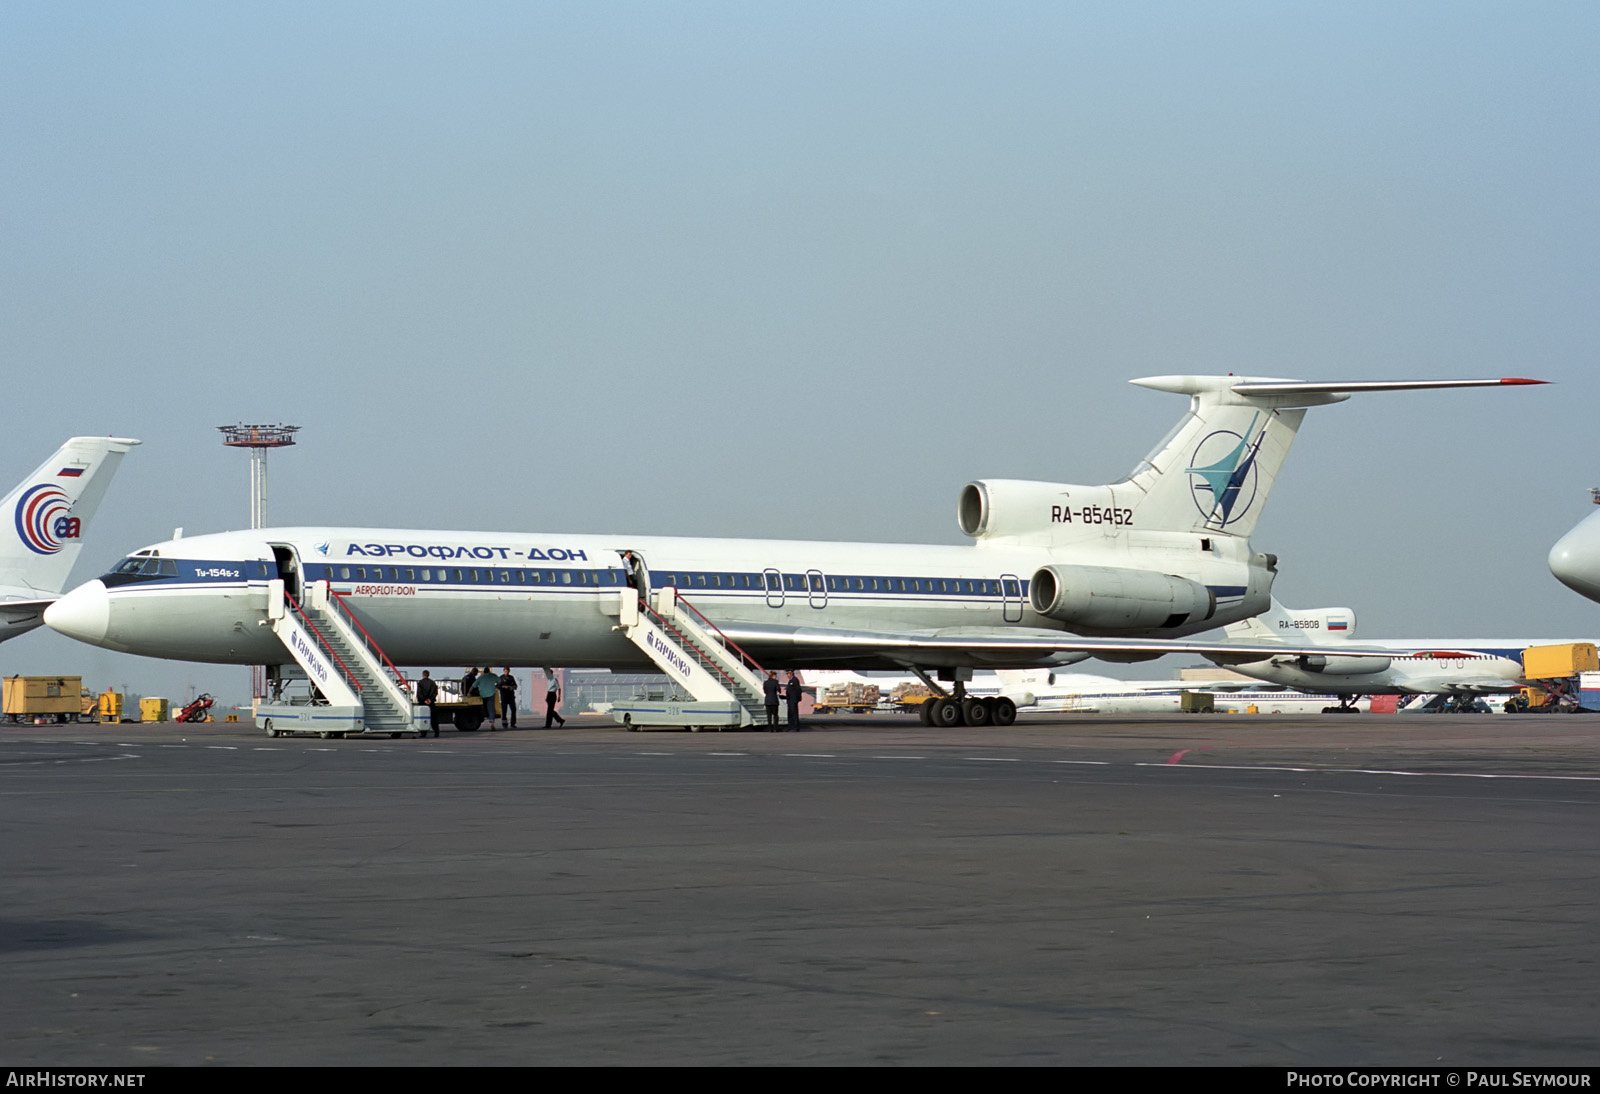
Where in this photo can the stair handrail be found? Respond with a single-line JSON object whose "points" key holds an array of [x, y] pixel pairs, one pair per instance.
{"points": [[306, 619], [726, 641], [690, 644], [338, 598]]}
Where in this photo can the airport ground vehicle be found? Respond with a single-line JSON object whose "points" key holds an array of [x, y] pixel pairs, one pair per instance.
{"points": [[58, 697], [908, 698], [1553, 674], [852, 698]]}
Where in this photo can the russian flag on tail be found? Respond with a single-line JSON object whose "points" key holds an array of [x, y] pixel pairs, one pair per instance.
{"points": [[69, 472]]}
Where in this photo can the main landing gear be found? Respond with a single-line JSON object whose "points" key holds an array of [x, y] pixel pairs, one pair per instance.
{"points": [[959, 709], [1347, 705]]}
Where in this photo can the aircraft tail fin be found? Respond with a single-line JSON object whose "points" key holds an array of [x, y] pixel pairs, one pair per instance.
{"points": [[48, 513], [1209, 476], [1213, 472], [1315, 626]]}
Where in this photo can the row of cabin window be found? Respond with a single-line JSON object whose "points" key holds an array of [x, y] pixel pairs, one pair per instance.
{"points": [[802, 583], [755, 582], [792, 582], [469, 575]]}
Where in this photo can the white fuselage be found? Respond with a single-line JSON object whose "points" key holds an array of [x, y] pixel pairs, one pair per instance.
{"points": [[1419, 667], [432, 598]]}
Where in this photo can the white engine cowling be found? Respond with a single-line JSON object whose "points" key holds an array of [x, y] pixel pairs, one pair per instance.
{"points": [[1008, 507], [1343, 666], [1106, 597]]}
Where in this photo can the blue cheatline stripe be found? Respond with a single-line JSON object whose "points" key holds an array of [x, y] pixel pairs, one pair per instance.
{"points": [[795, 586]]}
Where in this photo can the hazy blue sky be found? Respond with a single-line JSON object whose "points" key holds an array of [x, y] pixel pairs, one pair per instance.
{"points": [[538, 266]]}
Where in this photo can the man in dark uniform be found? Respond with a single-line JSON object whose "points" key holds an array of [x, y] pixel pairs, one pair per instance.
{"points": [[508, 698], [791, 695], [769, 687], [427, 695]]}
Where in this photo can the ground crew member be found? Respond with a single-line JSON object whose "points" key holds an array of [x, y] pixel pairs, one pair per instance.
{"points": [[552, 699], [791, 694], [508, 699], [769, 688], [427, 695], [487, 684]]}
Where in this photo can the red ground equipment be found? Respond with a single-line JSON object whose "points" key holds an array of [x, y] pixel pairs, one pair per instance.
{"points": [[196, 711]]}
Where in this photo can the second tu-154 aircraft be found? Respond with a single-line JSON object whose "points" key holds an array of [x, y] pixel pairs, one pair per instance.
{"points": [[1057, 573]]}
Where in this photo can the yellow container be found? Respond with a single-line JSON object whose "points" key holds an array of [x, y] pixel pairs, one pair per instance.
{"points": [[31, 695], [152, 709], [1556, 662], [111, 704]]}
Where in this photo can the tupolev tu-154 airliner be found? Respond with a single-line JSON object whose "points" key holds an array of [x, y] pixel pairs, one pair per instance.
{"points": [[1057, 573]]}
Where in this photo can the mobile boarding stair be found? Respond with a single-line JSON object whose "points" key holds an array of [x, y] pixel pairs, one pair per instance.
{"points": [[357, 688], [725, 682]]}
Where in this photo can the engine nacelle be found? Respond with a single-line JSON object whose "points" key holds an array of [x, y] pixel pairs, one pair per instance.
{"points": [[1342, 666], [993, 508], [1109, 598]]}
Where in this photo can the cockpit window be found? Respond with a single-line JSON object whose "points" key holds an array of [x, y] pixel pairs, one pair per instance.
{"points": [[141, 567]]}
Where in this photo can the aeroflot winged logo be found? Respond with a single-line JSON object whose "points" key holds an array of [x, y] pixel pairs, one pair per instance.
{"points": [[1222, 474], [44, 519]]}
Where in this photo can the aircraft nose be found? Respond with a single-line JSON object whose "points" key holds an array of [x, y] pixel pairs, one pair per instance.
{"points": [[84, 613], [1575, 559]]}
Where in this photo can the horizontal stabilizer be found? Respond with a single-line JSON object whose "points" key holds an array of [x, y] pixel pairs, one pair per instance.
{"points": [[1299, 387]]}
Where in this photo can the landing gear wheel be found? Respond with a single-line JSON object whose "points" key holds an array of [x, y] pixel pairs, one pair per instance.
{"points": [[925, 712], [975, 712], [946, 713], [1005, 711]]}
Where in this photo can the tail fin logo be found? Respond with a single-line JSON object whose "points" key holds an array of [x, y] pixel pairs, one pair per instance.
{"points": [[44, 519], [1222, 474]]}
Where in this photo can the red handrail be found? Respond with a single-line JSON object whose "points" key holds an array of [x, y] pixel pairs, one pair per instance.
{"points": [[348, 675], [687, 642], [726, 641], [338, 598]]}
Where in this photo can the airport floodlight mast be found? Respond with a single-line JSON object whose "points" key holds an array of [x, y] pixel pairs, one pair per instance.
{"points": [[258, 438]]}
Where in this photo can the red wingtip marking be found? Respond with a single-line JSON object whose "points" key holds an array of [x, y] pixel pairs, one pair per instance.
{"points": [[1522, 380]]}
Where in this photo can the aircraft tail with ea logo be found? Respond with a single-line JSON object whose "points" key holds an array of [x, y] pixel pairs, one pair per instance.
{"points": [[49, 512], [1209, 477]]}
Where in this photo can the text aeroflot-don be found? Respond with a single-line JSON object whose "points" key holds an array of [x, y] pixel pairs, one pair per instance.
{"points": [[1057, 572]]}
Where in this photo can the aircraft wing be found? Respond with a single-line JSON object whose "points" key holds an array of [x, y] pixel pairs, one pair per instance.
{"points": [[985, 647]]}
